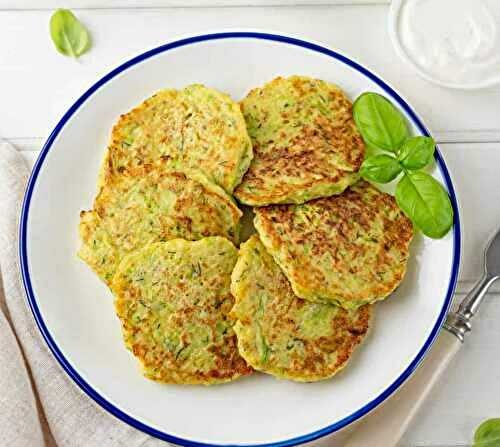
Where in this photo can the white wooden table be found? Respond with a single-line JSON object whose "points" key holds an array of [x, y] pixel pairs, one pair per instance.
{"points": [[37, 85]]}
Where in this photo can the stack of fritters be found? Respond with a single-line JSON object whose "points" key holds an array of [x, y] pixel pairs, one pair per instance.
{"points": [[282, 334], [298, 298], [325, 250]]}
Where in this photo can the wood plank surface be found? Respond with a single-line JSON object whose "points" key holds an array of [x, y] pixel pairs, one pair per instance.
{"points": [[37, 85], [142, 4]]}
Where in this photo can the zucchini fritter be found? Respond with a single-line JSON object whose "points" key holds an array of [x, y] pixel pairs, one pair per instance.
{"points": [[173, 300], [283, 335], [305, 142], [350, 249], [131, 212], [193, 128]]}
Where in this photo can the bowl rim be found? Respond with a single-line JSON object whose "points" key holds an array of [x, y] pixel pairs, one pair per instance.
{"points": [[194, 39]]}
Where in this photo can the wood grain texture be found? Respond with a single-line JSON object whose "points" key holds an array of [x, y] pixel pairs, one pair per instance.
{"points": [[142, 4], [47, 83], [38, 85], [468, 393]]}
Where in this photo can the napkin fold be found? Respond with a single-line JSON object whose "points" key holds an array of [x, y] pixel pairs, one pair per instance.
{"points": [[40, 405]]}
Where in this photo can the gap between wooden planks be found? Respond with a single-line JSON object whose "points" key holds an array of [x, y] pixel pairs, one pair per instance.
{"points": [[16, 5]]}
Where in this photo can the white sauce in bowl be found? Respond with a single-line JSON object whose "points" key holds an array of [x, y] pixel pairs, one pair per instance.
{"points": [[453, 42]]}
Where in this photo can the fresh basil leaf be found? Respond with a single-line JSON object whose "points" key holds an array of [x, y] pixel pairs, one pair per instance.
{"points": [[380, 168], [417, 152], [424, 200], [70, 37], [488, 434], [379, 122]]}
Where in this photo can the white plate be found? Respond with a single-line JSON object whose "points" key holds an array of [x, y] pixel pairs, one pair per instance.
{"points": [[74, 309]]}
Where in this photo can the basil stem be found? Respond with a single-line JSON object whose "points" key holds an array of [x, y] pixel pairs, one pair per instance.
{"points": [[417, 152]]}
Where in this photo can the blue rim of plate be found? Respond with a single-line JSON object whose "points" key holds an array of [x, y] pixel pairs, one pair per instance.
{"points": [[87, 388]]}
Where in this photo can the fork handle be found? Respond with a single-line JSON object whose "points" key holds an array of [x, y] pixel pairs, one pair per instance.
{"points": [[386, 425]]}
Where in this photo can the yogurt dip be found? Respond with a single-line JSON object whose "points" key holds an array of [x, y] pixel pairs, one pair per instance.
{"points": [[452, 42]]}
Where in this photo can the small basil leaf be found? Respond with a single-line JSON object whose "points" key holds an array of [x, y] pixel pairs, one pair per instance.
{"points": [[424, 200], [488, 434], [380, 168], [417, 152], [70, 37], [379, 122]]}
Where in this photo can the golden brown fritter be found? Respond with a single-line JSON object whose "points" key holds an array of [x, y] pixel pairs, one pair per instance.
{"points": [[305, 142], [195, 128], [349, 249], [283, 335], [131, 212], [173, 300]]}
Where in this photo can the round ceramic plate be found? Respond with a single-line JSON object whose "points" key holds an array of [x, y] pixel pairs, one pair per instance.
{"points": [[74, 310]]}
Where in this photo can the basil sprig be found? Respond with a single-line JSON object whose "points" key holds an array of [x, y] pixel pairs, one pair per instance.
{"points": [[70, 37], [422, 198], [488, 434]]}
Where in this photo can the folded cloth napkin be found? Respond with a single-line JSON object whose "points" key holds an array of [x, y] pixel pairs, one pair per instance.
{"points": [[39, 404]]}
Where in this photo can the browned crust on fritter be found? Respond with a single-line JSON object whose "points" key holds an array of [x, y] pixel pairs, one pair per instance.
{"points": [[197, 127], [105, 197], [117, 148], [360, 235], [321, 175], [267, 307], [347, 336], [228, 363], [308, 163], [131, 212], [173, 314]]}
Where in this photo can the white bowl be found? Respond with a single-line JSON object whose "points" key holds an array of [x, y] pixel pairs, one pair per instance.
{"points": [[395, 36], [74, 310]]}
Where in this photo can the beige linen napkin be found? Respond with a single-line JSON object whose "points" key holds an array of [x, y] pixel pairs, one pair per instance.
{"points": [[39, 404]]}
